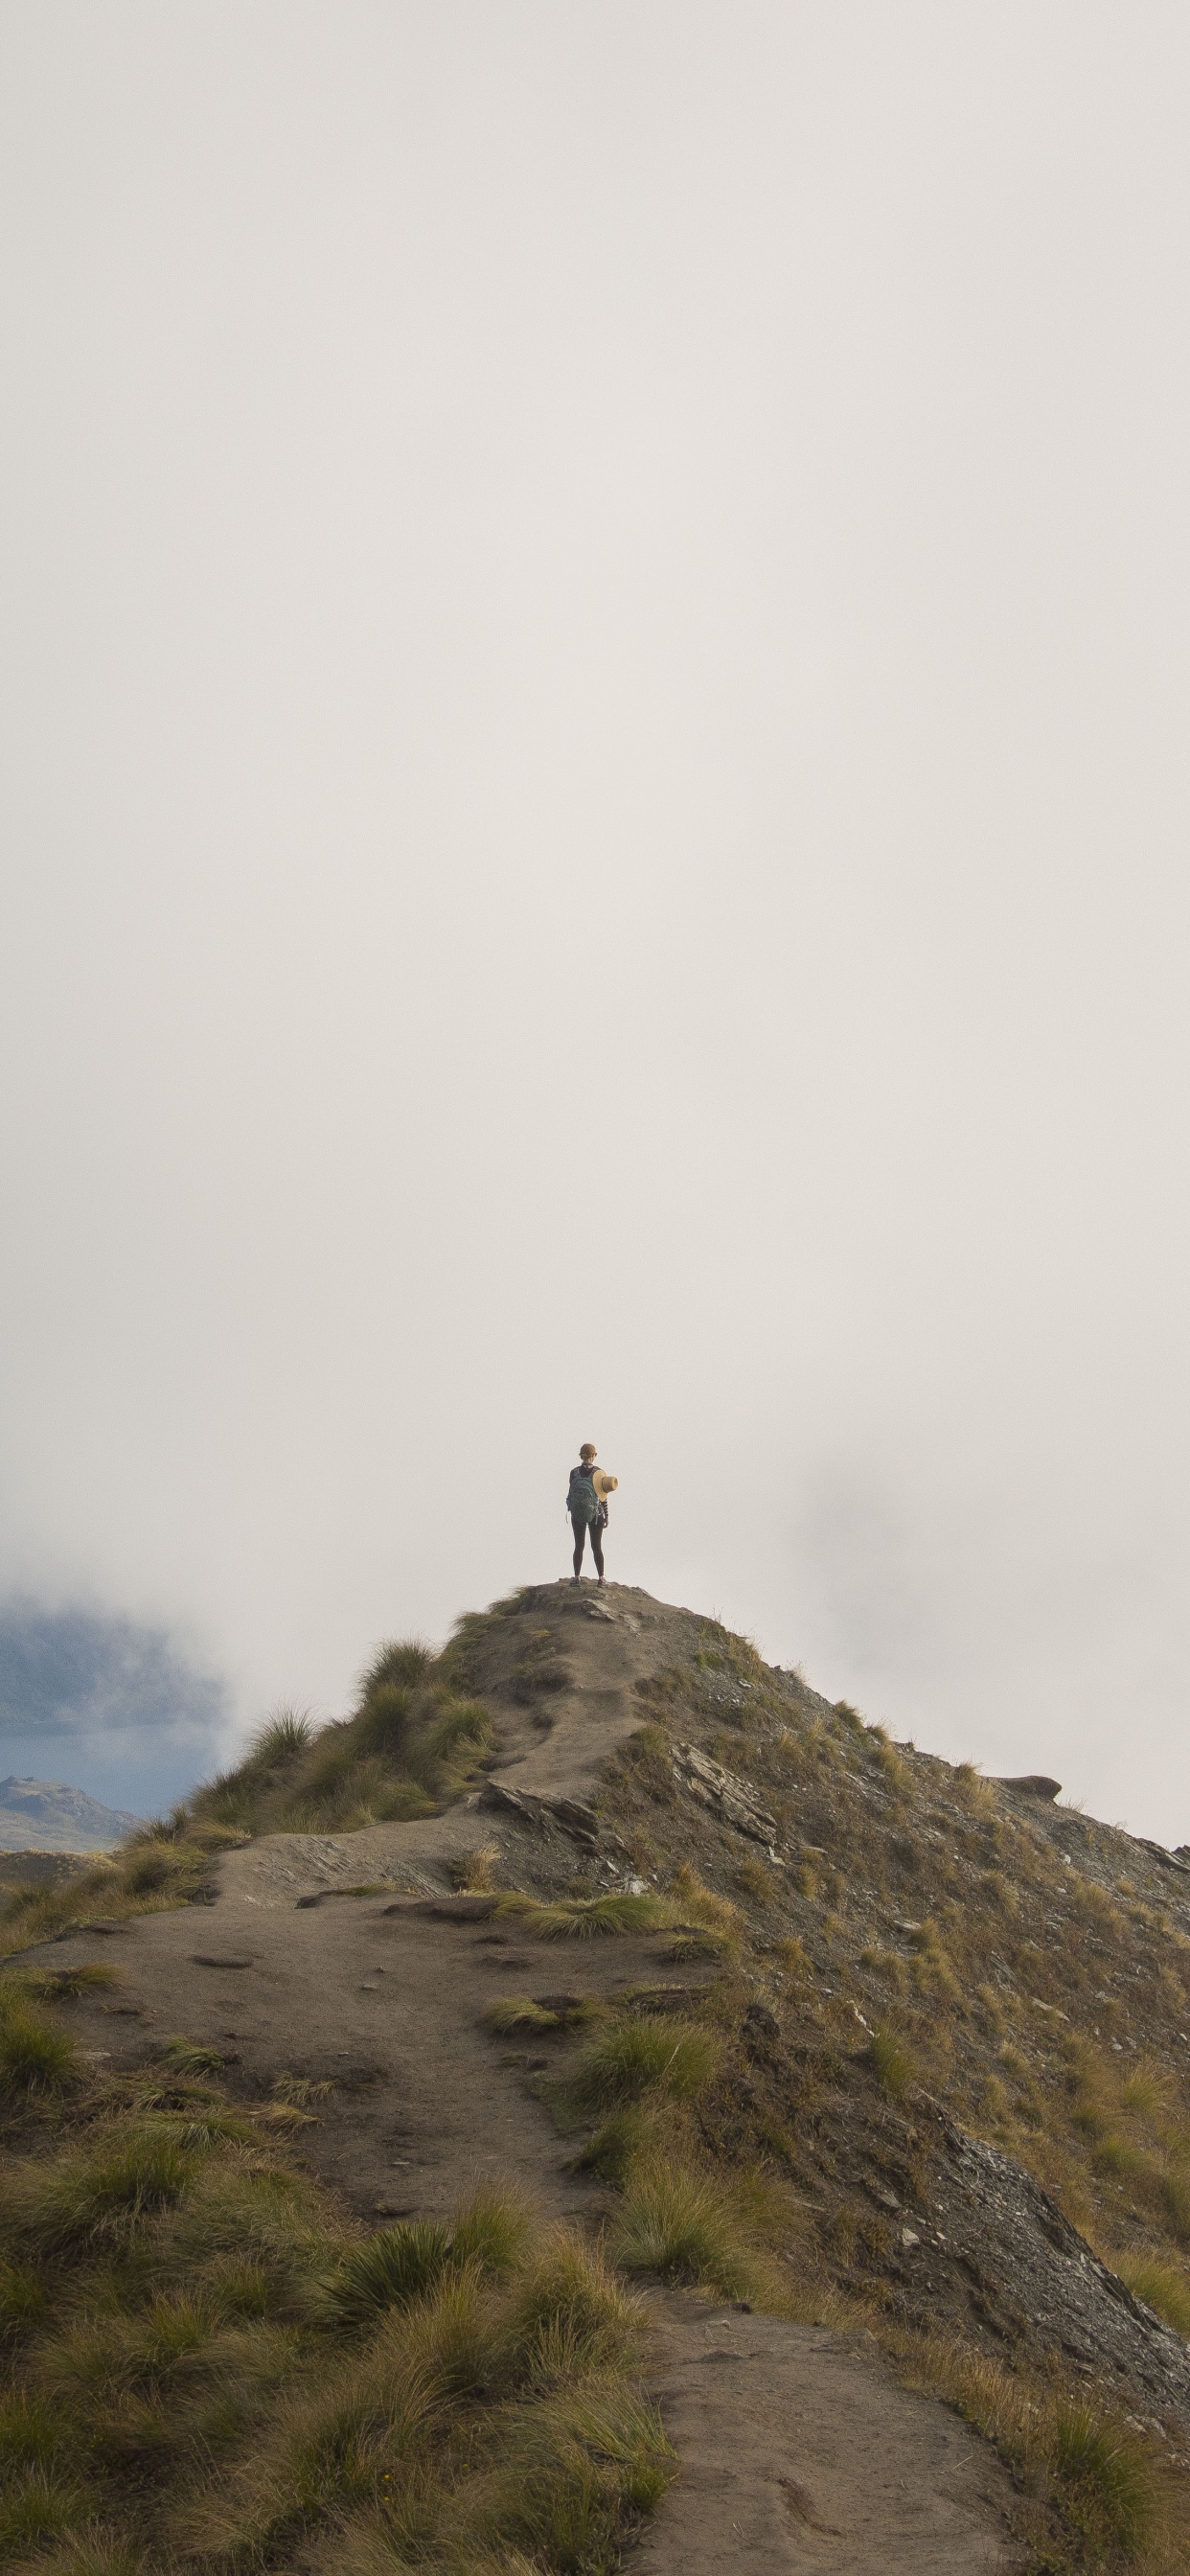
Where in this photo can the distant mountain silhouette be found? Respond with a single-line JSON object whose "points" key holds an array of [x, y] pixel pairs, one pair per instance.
{"points": [[46, 1815]]}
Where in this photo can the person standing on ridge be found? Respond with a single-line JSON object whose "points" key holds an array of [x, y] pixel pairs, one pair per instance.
{"points": [[586, 1502]]}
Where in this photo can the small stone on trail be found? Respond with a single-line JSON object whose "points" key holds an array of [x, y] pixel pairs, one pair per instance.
{"points": [[209, 1959]]}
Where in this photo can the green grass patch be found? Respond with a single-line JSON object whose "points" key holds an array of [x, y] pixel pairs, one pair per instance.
{"points": [[642, 2054], [1162, 2287], [35, 2057], [205, 2368], [188, 2057], [410, 1747], [404, 2263], [613, 2148], [519, 2012], [60, 1985], [892, 2062], [679, 2224], [1103, 2480], [589, 1918]]}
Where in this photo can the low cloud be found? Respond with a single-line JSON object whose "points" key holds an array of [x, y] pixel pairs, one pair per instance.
{"points": [[115, 1704]]}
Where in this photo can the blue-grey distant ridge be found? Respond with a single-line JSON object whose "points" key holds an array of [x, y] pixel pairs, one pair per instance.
{"points": [[47, 1815]]}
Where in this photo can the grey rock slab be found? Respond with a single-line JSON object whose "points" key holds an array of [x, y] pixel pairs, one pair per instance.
{"points": [[727, 1796]]}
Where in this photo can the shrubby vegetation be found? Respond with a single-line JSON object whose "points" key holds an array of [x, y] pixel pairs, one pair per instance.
{"points": [[411, 1746]]}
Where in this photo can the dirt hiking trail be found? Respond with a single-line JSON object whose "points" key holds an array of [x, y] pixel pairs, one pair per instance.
{"points": [[797, 2449]]}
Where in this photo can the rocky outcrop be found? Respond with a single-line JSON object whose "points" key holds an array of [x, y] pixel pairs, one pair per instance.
{"points": [[1016, 2247], [572, 1815], [727, 1796]]}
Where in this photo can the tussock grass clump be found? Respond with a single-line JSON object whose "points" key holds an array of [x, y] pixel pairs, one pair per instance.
{"points": [[476, 1873], [491, 2230], [188, 2057], [101, 2196], [201, 2369], [97, 2555], [970, 1790], [642, 2054], [1162, 2287], [702, 1906], [570, 2315], [402, 2264], [411, 1745], [757, 1882], [24, 2301], [519, 2012], [1104, 2479], [680, 2224], [59, 1985], [570, 2472], [589, 1918], [398, 2265], [893, 2063], [617, 2144], [35, 2057]]}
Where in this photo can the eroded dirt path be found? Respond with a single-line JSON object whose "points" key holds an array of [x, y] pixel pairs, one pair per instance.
{"points": [[388, 2008], [800, 2453]]}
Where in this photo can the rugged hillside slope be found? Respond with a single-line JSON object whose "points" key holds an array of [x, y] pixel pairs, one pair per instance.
{"points": [[879, 2045]]}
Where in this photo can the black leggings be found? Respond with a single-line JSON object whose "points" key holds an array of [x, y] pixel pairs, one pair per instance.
{"points": [[582, 1530]]}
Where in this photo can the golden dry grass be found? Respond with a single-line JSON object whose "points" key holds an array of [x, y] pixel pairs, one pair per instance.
{"points": [[205, 2363]]}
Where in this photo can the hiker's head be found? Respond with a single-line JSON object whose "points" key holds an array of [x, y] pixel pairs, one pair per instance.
{"points": [[588, 1449]]}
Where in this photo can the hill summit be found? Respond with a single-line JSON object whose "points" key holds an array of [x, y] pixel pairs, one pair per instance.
{"points": [[599, 1908]]}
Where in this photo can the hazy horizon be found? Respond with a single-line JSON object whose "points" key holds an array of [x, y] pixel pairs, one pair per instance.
{"points": [[593, 824]]}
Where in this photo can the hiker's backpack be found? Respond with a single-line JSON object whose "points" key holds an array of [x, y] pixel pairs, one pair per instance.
{"points": [[580, 1496]]}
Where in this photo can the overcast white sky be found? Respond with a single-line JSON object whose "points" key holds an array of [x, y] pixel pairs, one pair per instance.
{"points": [[594, 799]]}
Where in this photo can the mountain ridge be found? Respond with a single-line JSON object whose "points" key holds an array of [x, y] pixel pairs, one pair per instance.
{"points": [[897, 2051], [52, 1816]]}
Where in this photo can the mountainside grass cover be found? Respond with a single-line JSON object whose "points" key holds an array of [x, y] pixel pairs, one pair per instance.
{"points": [[911, 1938], [1095, 2492], [205, 2366], [915, 1912]]}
